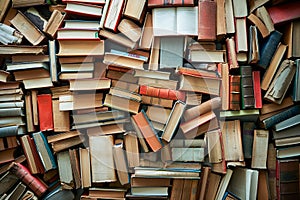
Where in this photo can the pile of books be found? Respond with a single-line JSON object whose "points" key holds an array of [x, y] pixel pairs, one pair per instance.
{"points": [[149, 99]]}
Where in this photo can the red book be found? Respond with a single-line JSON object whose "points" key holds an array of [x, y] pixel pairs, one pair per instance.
{"points": [[283, 13], [207, 18], [162, 93], [164, 3], [24, 175], [231, 53], [147, 130], [256, 88], [234, 92], [45, 112]]}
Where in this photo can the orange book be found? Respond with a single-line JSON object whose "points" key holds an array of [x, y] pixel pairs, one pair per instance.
{"points": [[234, 88], [147, 130], [45, 112], [163, 93]]}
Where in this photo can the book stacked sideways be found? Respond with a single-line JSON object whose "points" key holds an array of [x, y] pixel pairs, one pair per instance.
{"points": [[149, 99]]}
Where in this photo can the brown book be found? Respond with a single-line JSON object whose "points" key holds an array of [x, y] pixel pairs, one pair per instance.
{"points": [[162, 117], [24, 175], [74, 160], [296, 39], [102, 170], [264, 16], [214, 146], [173, 120], [231, 53], [263, 186], [221, 19], [151, 182], [135, 9], [260, 149], [167, 103], [27, 28], [154, 82], [123, 59], [81, 47], [61, 119], [204, 182], [85, 167], [22, 49], [67, 143], [234, 92], [121, 103], [207, 14], [29, 113], [259, 24], [212, 185], [132, 149], [130, 29], [225, 86], [147, 33], [78, 101], [4, 6], [274, 65], [232, 140], [271, 165], [147, 130], [7, 155], [54, 23], [273, 107], [177, 187], [120, 163]]}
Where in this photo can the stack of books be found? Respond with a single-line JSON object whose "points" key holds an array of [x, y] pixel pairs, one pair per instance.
{"points": [[149, 99]]}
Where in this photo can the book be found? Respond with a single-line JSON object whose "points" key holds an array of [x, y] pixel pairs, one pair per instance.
{"points": [[214, 146], [231, 53], [253, 54], [268, 48], [259, 24], [130, 29], [263, 14], [284, 13], [117, 38], [220, 19], [113, 15], [147, 130], [74, 160], [287, 152], [247, 89], [81, 47], [173, 120], [33, 183], [132, 149], [229, 17], [281, 83], [54, 23], [159, 83], [120, 163], [257, 91], [224, 184], [234, 92], [102, 145], [85, 167], [171, 52], [260, 149], [161, 3], [184, 154], [146, 39], [84, 9], [68, 33], [175, 21], [247, 138], [135, 10], [44, 151], [122, 103], [240, 8], [61, 120], [241, 39], [45, 112], [207, 14], [123, 59], [101, 2], [31, 32], [231, 131], [64, 169], [4, 7], [296, 96], [162, 93], [89, 84]]}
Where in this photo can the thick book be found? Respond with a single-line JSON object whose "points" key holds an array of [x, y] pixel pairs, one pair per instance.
{"points": [[64, 169], [135, 31], [25, 176], [45, 112], [113, 15], [234, 92], [162, 93], [285, 12], [247, 89], [214, 146], [231, 53], [260, 149], [247, 138], [85, 167], [257, 89], [268, 48], [207, 14], [120, 163], [54, 23], [81, 47], [173, 120], [147, 130], [135, 10], [171, 52], [84, 9]]}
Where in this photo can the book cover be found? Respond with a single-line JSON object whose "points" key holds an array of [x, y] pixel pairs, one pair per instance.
{"points": [[234, 92], [207, 14], [45, 112], [247, 89]]}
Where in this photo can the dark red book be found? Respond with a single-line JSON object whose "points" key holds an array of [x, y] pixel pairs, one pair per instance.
{"points": [[45, 112], [235, 92], [207, 18], [283, 13], [164, 3], [24, 175], [162, 93], [147, 130], [257, 89]]}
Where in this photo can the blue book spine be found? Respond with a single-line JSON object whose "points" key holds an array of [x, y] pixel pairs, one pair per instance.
{"points": [[296, 88], [268, 49], [271, 121]]}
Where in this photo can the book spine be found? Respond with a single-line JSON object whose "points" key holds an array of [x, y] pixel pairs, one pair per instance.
{"points": [[268, 49], [256, 89], [162, 93], [231, 53], [271, 121], [247, 135], [247, 92], [24, 175], [207, 20], [234, 88], [45, 112]]}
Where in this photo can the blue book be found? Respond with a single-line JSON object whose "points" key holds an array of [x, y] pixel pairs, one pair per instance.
{"points": [[296, 88], [268, 48], [44, 151]]}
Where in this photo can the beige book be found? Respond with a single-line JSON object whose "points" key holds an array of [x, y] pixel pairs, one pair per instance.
{"points": [[130, 29], [223, 184], [225, 86], [64, 168], [120, 163], [132, 149], [29, 113], [147, 33], [214, 146], [260, 149], [54, 22], [85, 168], [230, 27], [259, 24], [61, 119], [117, 38], [135, 9], [154, 56], [188, 154], [232, 140], [102, 163], [162, 117], [221, 19], [27, 28], [67, 143], [263, 14], [89, 84], [34, 107], [37, 83]]}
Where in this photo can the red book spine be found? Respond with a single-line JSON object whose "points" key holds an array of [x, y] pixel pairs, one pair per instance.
{"points": [[45, 112], [284, 12], [162, 93], [207, 20], [235, 92], [257, 90], [147, 130], [24, 175]]}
